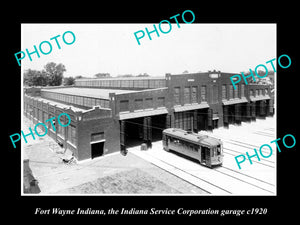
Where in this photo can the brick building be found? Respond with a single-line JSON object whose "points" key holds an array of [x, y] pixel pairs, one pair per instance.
{"points": [[111, 114]]}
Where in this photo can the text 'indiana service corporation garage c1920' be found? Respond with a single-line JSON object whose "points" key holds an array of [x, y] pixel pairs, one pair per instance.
{"points": [[112, 114]]}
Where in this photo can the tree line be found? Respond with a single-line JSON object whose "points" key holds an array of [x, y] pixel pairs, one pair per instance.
{"points": [[51, 75]]}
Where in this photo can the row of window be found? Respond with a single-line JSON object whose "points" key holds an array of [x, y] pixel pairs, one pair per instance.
{"points": [[233, 93], [140, 104], [184, 144], [183, 120], [77, 100], [259, 92], [143, 83], [190, 94], [68, 132]]}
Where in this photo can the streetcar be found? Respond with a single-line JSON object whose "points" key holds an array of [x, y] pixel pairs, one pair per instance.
{"points": [[207, 150]]}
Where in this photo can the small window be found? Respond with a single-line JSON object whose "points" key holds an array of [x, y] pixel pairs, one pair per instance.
{"points": [[97, 137], [124, 105], [160, 101]]}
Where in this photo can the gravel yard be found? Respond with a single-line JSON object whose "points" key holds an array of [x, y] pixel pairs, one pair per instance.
{"points": [[134, 181]]}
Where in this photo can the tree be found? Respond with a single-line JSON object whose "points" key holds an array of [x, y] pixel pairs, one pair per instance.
{"points": [[54, 73], [102, 75], [35, 78], [69, 81], [125, 75], [143, 75]]}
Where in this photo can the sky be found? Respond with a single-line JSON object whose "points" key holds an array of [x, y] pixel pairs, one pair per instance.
{"points": [[113, 48]]}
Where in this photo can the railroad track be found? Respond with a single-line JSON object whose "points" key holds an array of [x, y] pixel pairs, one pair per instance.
{"points": [[262, 161], [208, 185], [187, 176], [259, 183]]}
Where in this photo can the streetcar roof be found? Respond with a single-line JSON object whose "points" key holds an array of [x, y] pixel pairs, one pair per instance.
{"points": [[194, 137]]}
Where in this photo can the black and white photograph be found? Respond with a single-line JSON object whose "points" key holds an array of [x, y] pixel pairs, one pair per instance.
{"points": [[190, 112], [131, 112]]}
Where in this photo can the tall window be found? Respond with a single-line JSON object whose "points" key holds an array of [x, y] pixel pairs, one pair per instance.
{"points": [[215, 94], [194, 94], [60, 130], [224, 94], [256, 92], [72, 134], [177, 95], [40, 117], [243, 90], [187, 95], [236, 91], [203, 93], [251, 93], [230, 92]]}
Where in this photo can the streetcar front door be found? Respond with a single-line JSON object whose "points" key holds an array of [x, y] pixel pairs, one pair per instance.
{"points": [[205, 156]]}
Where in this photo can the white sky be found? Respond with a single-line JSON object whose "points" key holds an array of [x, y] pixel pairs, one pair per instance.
{"points": [[112, 48]]}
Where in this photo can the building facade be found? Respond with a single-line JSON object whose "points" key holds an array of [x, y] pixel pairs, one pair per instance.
{"points": [[113, 114]]}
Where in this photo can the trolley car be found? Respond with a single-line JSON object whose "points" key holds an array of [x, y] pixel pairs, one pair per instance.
{"points": [[208, 150]]}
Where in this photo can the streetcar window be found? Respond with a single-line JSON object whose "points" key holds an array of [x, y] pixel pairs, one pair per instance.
{"points": [[194, 148], [212, 152], [219, 150]]}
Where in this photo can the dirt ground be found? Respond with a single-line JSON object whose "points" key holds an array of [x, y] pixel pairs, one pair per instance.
{"points": [[109, 174], [134, 181]]}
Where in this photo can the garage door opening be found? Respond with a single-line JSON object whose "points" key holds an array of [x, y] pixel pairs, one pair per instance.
{"points": [[97, 149], [133, 132], [158, 124], [143, 130]]}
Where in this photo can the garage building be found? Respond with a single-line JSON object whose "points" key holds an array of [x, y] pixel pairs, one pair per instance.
{"points": [[112, 114]]}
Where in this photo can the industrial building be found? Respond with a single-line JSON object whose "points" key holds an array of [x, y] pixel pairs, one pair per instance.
{"points": [[111, 114]]}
